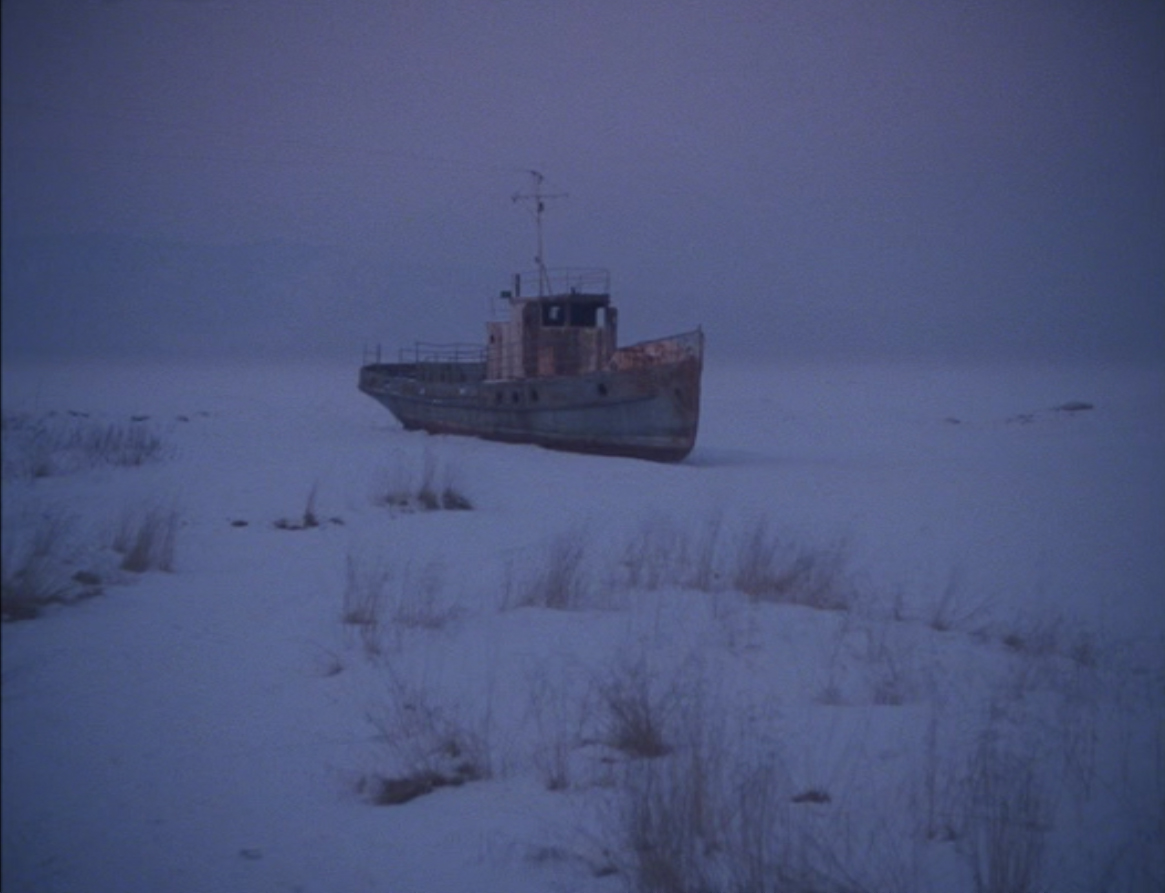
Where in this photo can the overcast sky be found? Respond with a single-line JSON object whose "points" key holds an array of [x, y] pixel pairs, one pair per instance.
{"points": [[936, 179]]}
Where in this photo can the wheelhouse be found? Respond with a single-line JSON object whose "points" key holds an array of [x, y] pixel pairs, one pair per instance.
{"points": [[567, 327]]}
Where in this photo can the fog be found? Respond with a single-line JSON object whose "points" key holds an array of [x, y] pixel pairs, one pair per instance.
{"points": [[805, 180]]}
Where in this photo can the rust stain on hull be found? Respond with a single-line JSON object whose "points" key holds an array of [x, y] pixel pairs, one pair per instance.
{"points": [[644, 407], [552, 374]]}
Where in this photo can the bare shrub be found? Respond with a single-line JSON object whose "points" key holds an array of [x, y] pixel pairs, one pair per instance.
{"points": [[146, 539]]}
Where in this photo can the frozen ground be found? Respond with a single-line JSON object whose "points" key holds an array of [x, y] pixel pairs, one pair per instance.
{"points": [[889, 628]]}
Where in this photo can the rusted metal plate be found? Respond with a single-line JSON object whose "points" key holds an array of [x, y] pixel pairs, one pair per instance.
{"points": [[645, 404]]}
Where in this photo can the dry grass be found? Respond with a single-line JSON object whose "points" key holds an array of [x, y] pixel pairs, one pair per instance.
{"points": [[1007, 821], [50, 445], [953, 609], [379, 600], [434, 488], [716, 816], [430, 744], [32, 575], [636, 710], [147, 539], [752, 559], [559, 581], [310, 517], [558, 718], [768, 569]]}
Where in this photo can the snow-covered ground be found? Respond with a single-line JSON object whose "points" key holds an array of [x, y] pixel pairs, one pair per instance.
{"points": [[888, 628]]}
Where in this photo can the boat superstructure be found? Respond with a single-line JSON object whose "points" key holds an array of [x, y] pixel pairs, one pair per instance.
{"points": [[551, 373]]}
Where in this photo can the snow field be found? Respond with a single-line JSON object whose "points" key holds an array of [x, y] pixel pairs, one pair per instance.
{"points": [[888, 629]]}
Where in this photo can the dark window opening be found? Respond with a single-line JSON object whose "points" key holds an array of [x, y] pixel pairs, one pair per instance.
{"points": [[553, 315], [516, 397], [584, 315], [602, 390], [533, 395]]}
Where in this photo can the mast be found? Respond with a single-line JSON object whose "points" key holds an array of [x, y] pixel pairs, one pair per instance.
{"points": [[538, 197]]}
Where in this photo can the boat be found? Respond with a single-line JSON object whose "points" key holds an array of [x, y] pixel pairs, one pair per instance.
{"points": [[551, 373]]}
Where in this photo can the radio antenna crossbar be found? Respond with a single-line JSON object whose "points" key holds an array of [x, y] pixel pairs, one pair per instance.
{"points": [[538, 197]]}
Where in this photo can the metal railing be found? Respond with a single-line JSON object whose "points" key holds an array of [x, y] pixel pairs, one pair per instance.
{"points": [[563, 281], [425, 352]]}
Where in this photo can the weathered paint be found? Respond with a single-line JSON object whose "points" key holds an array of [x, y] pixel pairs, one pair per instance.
{"points": [[553, 375], [646, 404]]}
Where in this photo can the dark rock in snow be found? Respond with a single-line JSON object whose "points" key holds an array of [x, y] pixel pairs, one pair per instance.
{"points": [[813, 795]]}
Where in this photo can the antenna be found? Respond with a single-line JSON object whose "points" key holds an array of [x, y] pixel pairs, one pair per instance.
{"points": [[539, 197]]}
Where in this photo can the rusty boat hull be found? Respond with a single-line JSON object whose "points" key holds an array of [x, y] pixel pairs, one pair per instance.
{"points": [[644, 403]]}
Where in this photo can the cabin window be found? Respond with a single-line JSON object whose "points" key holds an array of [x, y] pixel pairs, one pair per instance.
{"points": [[533, 395], [516, 396], [553, 315], [602, 390], [583, 315]]}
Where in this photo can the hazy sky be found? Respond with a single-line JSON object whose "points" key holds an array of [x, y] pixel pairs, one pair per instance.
{"points": [[809, 177]]}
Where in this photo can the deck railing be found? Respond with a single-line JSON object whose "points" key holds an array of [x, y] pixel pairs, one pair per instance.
{"points": [[424, 352], [563, 281]]}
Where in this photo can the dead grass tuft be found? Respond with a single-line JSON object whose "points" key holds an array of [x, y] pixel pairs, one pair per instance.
{"points": [[147, 538], [560, 582], [378, 600], [953, 610], [309, 519], [50, 445], [1007, 821], [767, 569], [434, 488], [431, 745], [32, 575], [636, 714]]}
